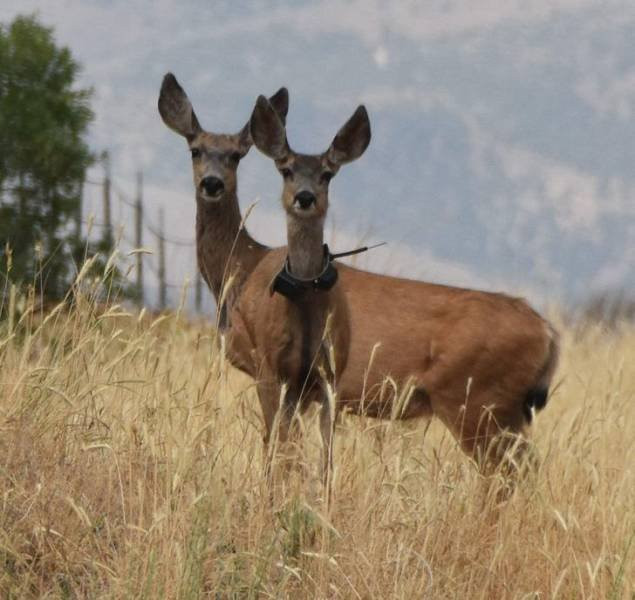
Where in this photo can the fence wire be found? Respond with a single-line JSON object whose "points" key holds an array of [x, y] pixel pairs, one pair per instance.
{"points": [[119, 231]]}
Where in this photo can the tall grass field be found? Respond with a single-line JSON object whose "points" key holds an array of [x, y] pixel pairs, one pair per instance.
{"points": [[131, 467]]}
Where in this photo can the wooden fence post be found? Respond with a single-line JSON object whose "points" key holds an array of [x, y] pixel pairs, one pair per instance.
{"points": [[107, 232], [162, 282], [139, 237]]}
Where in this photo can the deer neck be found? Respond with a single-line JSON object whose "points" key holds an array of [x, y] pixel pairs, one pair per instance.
{"points": [[305, 238], [223, 247]]}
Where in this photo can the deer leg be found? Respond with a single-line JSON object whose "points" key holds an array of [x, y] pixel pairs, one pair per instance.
{"points": [[502, 453], [288, 429], [269, 397], [327, 431], [491, 434], [494, 437]]}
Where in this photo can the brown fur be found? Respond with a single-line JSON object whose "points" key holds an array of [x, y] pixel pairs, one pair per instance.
{"points": [[469, 357], [283, 342]]}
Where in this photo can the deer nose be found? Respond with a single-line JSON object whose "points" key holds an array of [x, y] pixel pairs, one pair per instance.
{"points": [[212, 185], [304, 199]]}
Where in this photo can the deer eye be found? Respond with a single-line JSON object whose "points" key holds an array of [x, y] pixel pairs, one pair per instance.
{"points": [[195, 152], [286, 173], [235, 157], [327, 176]]}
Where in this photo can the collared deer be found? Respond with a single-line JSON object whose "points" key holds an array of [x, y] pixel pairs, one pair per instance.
{"points": [[480, 362], [297, 315]]}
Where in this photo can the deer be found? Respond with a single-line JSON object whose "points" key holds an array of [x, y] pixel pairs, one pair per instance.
{"points": [[224, 248], [292, 305], [480, 362]]}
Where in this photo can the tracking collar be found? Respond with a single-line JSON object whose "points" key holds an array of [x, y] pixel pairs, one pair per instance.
{"points": [[287, 284]]}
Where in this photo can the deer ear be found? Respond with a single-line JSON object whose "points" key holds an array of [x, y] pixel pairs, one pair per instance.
{"points": [[244, 139], [351, 140], [267, 131], [280, 103], [176, 109]]}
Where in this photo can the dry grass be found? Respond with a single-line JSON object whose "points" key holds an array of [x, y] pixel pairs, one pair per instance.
{"points": [[130, 467]]}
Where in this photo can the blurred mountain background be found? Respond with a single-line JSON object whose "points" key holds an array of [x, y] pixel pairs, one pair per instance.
{"points": [[503, 133]]}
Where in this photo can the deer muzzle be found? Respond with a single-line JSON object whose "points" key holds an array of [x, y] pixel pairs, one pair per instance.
{"points": [[213, 187]]}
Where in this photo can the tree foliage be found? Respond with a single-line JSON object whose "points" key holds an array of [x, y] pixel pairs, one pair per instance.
{"points": [[43, 156]]}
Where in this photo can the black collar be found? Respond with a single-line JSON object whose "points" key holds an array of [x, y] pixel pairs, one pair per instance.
{"points": [[287, 284]]}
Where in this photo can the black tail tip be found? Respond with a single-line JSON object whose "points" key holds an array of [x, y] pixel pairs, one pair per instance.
{"points": [[535, 400]]}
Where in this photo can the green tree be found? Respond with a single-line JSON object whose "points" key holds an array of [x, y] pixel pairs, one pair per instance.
{"points": [[43, 156]]}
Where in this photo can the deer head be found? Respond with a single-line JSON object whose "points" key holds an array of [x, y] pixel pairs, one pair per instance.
{"points": [[215, 157], [307, 176]]}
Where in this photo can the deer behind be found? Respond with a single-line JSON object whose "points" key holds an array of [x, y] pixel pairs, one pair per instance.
{"points": [[224, 248]]}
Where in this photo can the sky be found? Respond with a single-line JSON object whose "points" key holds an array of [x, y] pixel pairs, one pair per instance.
{"points": [[503, 133]]}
